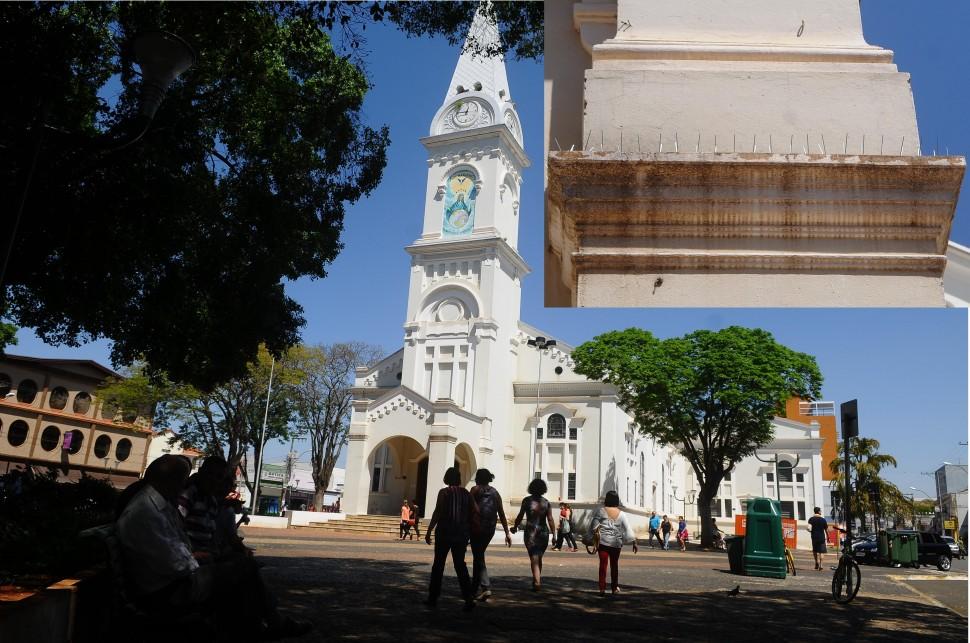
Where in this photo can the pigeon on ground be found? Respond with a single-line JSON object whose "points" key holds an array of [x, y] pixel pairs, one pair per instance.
{"points": [[735, 591]]}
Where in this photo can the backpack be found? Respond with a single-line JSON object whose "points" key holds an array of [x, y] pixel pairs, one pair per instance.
{"points": [[488, 506]]}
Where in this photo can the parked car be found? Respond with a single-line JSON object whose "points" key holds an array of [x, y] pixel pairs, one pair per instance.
{"points": [[955, 547], [933, 550], [865, 549]]}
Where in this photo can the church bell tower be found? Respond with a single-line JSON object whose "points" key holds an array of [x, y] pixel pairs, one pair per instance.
{"points": [[464, 291]]}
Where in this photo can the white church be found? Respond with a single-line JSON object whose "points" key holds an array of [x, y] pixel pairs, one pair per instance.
{"points": [[469, 390]]}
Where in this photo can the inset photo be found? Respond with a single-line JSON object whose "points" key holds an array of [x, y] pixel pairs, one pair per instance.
{"points": [[765, 153]]}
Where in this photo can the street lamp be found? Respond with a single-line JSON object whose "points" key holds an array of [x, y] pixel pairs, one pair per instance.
{"points": [[913, 499], [774, 460], [540, 344], [689, 498]]}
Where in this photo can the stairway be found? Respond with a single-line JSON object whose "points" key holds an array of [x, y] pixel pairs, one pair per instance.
{"points": [[371, 525]]}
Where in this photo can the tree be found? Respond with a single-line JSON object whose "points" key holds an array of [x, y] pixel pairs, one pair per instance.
{"points": [[176, 247], [227, 420], [867, 464], [712, 394], [521, 24], [322, 401]]}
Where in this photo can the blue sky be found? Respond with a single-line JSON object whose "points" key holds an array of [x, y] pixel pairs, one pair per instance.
{"points": [[907, 368], [928, 38]]}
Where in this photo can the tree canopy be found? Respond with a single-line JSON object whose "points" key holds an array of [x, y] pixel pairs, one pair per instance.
{"points": [[322, 401], [711, 394], [175, 248], [868, 483]]}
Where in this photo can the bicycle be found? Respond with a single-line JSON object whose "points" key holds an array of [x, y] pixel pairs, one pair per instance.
{"points": [[847, 578], [790, 562]]}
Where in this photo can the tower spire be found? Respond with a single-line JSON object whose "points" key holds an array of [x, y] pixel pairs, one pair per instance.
{"points": [[478, 95], [474, 72]]}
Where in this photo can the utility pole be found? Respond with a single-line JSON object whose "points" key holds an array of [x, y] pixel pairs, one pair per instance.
{"points": [[262, 440], [850, 429]]}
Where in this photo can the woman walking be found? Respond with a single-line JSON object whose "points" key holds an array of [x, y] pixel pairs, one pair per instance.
{"points": [[614, 530], [405, 517], [665, 529], [415, 518], [539, 524], [490, 510], [682, 535], [454, 514], [565, 528]]}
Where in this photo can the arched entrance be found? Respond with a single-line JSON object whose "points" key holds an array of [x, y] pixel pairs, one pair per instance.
{"points": [[465, 461], [398, 469]]}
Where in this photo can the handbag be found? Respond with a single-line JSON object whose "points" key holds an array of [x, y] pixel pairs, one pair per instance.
{"points": [[592, 541]]}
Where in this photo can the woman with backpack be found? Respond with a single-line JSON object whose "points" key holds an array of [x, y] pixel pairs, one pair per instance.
{"points": [[539, 524], [490, 510], [614, 530], [565, 528], [454, 520]]}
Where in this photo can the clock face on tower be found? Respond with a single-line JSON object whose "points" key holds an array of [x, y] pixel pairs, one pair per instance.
{"points": [[460, 195], [467, 113]]}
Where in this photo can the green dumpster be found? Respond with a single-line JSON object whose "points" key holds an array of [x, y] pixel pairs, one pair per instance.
{"points": [[903, 548], [735, 552], [883, 542], [764, 545]]}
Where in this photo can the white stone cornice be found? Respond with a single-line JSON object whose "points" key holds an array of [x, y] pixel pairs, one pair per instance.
{"points": [[527, 390], [745, 261], [485, 245], [479, 135], [725, 214]]}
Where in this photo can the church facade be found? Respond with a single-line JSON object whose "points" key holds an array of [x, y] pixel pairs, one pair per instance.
{"points": [[468, 389]]}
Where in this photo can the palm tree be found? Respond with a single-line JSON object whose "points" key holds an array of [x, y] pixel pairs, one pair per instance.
{"points": [[867, 463]]}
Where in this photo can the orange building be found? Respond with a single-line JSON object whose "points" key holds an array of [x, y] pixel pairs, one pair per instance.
{"points": [[822, 413]]}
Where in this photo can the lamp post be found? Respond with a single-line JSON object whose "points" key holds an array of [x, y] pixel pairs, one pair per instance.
{"points": [[162, 57], [689, 498], [913, 500], [774, 460], [540, 344], [262, 440]]}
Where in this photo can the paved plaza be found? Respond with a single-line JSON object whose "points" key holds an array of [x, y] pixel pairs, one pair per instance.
{"points": [[357, 588]]}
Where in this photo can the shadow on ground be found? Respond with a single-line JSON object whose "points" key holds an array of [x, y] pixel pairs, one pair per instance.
{"points": [[365, 600]]}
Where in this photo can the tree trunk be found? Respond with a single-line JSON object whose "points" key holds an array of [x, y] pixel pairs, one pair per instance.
{"points": [[704, 498], [319, 499]]}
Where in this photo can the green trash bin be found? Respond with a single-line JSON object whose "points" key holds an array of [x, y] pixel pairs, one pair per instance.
{"points": [[904, 548], [735, 552], [764, 545], [883, 550]]}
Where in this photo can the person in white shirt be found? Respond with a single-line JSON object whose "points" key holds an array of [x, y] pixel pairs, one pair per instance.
{"points": [[614, 530], [165, 576]]}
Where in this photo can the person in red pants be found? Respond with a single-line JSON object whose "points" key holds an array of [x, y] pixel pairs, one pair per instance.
{"points": [[614, 530]]}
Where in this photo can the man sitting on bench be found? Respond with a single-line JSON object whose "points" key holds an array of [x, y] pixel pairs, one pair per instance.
{"points": [[165, 576]]}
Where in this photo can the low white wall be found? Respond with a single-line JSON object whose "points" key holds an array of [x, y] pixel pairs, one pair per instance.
{"points": [[274, 522], [304, 518]]}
